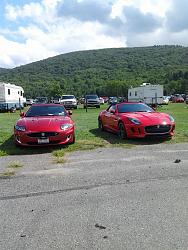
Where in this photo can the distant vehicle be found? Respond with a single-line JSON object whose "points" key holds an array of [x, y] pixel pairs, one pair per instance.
{"points": [[44, 124], [56, 100], [101, 100], [186, 100], [147, 93], [177, 98], [135, 120], [92, 101], [41, 99], [11, 97], [69, 101], [112, 99], [166, 100], [29, 101]]}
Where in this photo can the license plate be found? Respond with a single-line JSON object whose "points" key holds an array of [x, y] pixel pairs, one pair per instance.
{"points": [[44, 140]]}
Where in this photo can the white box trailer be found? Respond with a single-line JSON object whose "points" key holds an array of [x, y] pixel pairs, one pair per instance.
{"points": [[147, 93], [11, 96]]}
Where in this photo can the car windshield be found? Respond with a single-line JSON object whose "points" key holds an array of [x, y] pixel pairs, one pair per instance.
{"points": [[91, 96], [68, 97], [134, 107], [46, 111]]}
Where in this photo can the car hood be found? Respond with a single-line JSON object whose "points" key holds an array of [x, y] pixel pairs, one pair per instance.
{"points": [[147, 118], [44, 123]]}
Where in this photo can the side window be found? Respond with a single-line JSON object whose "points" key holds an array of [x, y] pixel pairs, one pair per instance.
{"points": [[8, 91], [21, 93], [129, 93]]}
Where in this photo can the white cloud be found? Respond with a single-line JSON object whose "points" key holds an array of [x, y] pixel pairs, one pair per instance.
{"points": [[47, 28]]}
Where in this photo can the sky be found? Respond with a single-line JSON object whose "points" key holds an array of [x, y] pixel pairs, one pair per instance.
{"points": [[32, 30]]}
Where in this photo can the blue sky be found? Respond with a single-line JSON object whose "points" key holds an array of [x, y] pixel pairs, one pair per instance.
{"points": [[31, 30]]}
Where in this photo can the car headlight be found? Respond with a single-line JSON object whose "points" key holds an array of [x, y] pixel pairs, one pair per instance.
{"points": [[66, 126], [20, 128], [135, 121], [171, 118]]}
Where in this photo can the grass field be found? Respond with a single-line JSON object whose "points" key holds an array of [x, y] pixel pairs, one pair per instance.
{"points": [[87, 134]]}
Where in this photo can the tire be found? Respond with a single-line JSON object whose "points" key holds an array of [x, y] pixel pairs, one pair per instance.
{"points": [[73, 141], [100, 125], [122, 131]]}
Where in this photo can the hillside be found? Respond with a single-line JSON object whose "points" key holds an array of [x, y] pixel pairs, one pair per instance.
{"points": [[105, 71]]}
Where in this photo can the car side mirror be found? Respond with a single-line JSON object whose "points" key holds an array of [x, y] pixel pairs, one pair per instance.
{"points": [[22, 114], [70, 112], [112, 111]]}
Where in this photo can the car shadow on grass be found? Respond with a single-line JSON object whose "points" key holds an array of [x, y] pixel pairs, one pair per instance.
{"points": [[113, 139], [9, 148]]}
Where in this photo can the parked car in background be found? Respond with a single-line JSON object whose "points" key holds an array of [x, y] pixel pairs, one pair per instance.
{"points": [[112, 99], [177, 99], [165, 100], [29, 101], [41, 99], [69, 101], [92, 101], [56, 100], [44, 124], [101, 100], [186, 99], [135, 120]]}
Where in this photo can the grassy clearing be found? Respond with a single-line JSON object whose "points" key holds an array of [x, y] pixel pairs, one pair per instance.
{"points": [[87, 134]]}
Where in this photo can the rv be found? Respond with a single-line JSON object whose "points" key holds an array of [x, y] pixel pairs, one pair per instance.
{"points": [[11, 97], [147, 93]]}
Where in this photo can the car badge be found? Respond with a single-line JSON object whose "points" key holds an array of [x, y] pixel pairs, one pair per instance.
{"points": [[158, 126], [43, 134]]}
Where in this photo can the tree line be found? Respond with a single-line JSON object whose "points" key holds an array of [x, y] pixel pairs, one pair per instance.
{"points": [[106, 72]]}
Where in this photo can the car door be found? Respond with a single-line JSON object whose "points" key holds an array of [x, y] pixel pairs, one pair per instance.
{"points": [[112, 118]]}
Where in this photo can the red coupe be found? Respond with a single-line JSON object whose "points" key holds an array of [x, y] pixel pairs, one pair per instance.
{"points": [[44, 124], [135, 120]]}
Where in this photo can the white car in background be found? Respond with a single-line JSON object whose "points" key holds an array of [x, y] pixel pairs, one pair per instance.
{"points": [[69, 101], [101, 100], [165, 100]]}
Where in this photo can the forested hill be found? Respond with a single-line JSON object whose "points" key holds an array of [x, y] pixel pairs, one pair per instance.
{"points": [[105, 71]]}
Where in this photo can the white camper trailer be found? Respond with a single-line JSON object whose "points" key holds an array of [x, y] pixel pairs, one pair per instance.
{"points": [[11, 96], [147, 93]]}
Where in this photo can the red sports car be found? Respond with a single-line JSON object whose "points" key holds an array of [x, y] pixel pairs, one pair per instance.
{"points": [[135, 120], [44, 124]]}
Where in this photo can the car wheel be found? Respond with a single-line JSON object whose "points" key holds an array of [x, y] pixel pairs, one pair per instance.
{"points": [[100, 125], [121, 131], [73, 140]]}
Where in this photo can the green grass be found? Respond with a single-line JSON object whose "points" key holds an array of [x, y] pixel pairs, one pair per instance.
{"points": [[87, 134]]}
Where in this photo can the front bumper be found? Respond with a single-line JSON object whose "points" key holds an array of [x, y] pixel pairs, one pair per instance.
{"points": [[43, 138], [140, 131]]}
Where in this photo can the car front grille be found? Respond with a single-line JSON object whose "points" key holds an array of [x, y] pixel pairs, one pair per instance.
{"points": [[42, 134], [157, 129]]}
